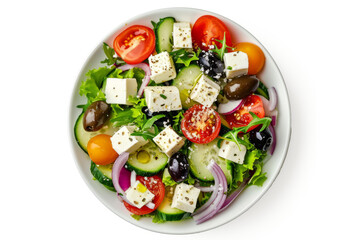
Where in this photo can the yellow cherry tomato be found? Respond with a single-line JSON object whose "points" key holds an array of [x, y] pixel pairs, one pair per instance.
{"points": [[100, 150], [255, 55]]}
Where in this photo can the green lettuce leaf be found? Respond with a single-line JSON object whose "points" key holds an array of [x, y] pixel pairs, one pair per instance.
{"points": [[166, 178], [259, 177]]}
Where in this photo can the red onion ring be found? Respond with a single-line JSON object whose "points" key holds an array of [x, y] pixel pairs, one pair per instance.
{"points": [[124, 179], [145, 80], [230, 107], [273, 98], [132, 178], [115, 175], [210, 211], [234, 195], [205, 189], [273, 145], [213, 195]]}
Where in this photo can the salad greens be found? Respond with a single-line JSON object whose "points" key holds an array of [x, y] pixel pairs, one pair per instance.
{"points": [[175, 117]]}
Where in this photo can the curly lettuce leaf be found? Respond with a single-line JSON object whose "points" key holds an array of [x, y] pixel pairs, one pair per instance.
{"points": [[259, 177], [132, 114], [166, 178]]}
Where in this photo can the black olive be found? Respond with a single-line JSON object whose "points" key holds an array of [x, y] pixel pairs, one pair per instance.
{"points": [[162, 122], [178, 167], [241, 87], [211, 65], [96, 116], [261, 140]]}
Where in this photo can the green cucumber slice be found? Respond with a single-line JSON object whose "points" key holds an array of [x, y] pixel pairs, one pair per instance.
{"points": [[199, 158], [164, 34], [166, 212], [147, 161], [185, 81], [82, 137], [102, 173]]}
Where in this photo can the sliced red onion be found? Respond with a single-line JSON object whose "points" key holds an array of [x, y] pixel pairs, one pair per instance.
{"points": [[150, 205], [234, 195], [220, 198], [273, 145], [213, 195], [133, 178], [273, 98], [115, 175], [145, 80], [124, 179], [205, 189], [274, 118], [230, 107]]}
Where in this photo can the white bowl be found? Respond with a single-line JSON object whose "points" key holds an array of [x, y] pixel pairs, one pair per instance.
{"points": [[270, 75]]}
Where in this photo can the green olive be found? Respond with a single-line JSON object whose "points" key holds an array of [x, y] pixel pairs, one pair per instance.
{"points": [[241, 87], [96, 116]]}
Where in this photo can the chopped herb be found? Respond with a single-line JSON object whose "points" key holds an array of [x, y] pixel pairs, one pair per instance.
{"points": [[110, 59], [229, 67], [224, 48], [163, 96]]}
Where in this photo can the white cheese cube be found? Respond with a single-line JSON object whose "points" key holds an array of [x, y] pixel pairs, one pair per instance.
{"points": [[236, 64], [185, 197], [160, 99], [139, 195], [169, 141], [230, 151], [162, 67], [117, 90], [182, 35], [122, 141], [205, 91]]}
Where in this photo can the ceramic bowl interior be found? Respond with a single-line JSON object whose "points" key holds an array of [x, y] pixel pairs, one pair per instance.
{"points": [[270, 75]]}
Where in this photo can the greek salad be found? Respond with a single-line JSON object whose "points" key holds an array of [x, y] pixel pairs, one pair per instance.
{"points": [[177, 122]]}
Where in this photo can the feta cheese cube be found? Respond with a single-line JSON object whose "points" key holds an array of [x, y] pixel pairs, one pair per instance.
{"points": [[230, 151], [139, 195], [182, 35], [162, 67], [160, 99], [169, 141], [205, 91], [185, 197], [117, 90], [236, 64], [122, 141]]}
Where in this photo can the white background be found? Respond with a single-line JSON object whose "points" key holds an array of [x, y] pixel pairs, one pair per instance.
{"points": [[43, 45]]}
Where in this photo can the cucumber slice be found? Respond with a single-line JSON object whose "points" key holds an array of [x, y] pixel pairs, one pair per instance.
{"points": [[82, 137], [103, 174], [262, 90], [199, 158], [147, 160], [185, 81], [164, 34], [166, 212]]}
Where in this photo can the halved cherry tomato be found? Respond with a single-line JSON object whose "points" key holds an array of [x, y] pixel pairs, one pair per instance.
{"points": [[200, 124], [100, 150], [255, 55], [156, 187], [208, 28], [242, 117], [135, 44]]}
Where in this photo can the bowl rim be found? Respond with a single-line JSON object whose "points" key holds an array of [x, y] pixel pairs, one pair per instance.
{"points": [[75, 91]]}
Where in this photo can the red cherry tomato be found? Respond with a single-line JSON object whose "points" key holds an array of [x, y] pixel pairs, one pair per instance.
{"points": [[155, 186], [208, 28], [242, 117], [135, 44], [200, 124]]}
